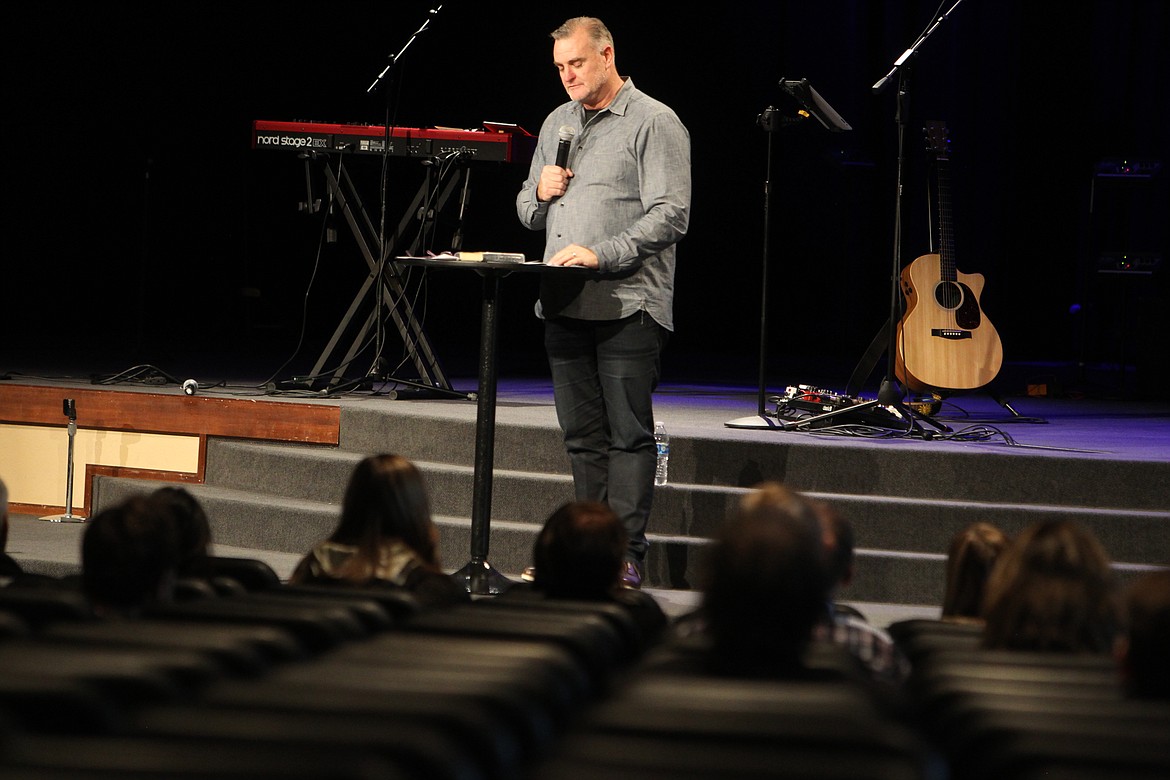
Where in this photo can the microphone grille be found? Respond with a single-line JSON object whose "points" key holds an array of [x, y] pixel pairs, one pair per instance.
{"points": [[566, 133]]}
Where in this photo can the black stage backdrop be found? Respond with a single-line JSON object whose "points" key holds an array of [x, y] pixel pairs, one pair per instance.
{"points": [[143, 229]]}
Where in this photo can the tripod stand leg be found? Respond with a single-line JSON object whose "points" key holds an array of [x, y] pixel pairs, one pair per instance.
{"points": [[868, 361], [996, 397]]}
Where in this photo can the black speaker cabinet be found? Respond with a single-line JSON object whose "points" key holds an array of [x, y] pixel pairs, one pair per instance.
{"points": [[1123, 276]]}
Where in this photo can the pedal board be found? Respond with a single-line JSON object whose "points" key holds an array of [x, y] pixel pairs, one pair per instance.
{"points": [[806, 402]]}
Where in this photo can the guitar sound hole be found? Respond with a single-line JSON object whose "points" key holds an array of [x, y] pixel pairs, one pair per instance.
{"points": [[948, 295]]}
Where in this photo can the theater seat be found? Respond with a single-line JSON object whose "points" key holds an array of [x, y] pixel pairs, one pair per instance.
{"points": [[42, 606], [317, 627], [592, 639], [84, 757], [240, 650], [251, 573], [664, 725]]}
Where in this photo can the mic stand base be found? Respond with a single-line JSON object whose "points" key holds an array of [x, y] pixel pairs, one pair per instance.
{"points": [[65, 518], [756, 422]]}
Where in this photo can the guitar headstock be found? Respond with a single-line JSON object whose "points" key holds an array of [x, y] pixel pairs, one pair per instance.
{"points": [[937, 138]]}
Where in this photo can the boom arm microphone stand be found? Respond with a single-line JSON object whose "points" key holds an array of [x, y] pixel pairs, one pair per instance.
{"points": [[378, 367], [890, 394], [811, 104]]}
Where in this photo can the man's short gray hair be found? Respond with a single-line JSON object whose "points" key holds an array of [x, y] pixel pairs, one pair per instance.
{"points": [[598, 33]]}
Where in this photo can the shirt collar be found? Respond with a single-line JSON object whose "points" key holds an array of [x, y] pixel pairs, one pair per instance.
{"points": [[619, 103]]}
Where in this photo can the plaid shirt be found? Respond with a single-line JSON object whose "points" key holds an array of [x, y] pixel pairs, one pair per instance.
{"points": [[872, 646]]}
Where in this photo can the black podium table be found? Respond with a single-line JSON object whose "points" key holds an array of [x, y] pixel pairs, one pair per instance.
{"points": [[479, 576]]}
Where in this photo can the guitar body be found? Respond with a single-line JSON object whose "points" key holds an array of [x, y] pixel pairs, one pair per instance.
{"points": [[945, 342]]}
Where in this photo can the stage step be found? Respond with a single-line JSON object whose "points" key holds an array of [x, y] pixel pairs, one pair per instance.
{"points": [[905, 499]]}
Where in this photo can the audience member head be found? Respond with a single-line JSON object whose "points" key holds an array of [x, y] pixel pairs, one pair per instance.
{"points": [[766, 584], [1051, 589], [129, 557], [1144, 650], [191, 526], [387, 501], [970, 557], [579, 551], [837, 535]]}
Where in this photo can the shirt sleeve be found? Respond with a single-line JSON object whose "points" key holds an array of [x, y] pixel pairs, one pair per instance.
{"points": [[531, 211], [664, 174]]}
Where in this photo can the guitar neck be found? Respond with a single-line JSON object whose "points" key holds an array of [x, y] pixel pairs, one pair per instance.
{"points": [[946, 233]]}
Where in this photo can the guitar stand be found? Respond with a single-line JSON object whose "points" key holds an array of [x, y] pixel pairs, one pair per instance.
{"points": [[868, 361]]}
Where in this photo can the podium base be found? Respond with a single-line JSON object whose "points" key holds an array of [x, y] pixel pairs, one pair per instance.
{"points": [[480, 578], [65, 518]]}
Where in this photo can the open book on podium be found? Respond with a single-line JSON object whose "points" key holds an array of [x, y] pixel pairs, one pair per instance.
{"points": [[479, 257]]}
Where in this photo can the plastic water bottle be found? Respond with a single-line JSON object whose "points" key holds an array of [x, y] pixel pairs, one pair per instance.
{"points": [[662, 445]]}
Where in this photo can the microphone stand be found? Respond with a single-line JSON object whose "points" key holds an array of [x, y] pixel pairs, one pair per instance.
{"points": [[890, 394], [768, 120], [70, 409], [378, 367]]}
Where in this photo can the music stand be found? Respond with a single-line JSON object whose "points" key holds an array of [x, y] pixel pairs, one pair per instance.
{"points": [[811, 105]]}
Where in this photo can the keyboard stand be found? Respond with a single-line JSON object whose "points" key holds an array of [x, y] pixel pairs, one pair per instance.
{"points": [[391, 295]]}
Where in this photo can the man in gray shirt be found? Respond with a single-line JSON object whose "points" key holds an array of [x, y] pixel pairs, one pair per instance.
{"points": [[619, 205]]}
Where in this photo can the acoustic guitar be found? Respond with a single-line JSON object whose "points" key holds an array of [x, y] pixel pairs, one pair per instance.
{"points": [[945, 341]]}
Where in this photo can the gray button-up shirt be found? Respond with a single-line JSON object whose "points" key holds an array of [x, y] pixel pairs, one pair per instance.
{"points": [[629, 201]]}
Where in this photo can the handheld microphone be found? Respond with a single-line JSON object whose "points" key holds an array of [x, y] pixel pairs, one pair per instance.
{"points": [[566, 134], [190, 387]]}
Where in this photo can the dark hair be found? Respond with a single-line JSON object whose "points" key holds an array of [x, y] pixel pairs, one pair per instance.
{"points": [[129, 554], [1147, 645], [970, 557], [766, 584], [579, 551], [838, 539], [1051, 589], [386, 500], [191, 527]]}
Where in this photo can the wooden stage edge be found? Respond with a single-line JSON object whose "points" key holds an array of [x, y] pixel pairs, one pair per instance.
{"points": [[166, 413]]}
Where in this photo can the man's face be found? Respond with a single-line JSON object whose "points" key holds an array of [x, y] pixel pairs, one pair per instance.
{"points": [[584, 70]]}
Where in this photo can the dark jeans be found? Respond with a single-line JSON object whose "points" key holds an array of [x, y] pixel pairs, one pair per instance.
{"points": [[604, 375]]}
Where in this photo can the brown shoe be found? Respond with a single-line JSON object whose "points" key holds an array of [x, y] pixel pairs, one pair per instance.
{"points": [[529, 574], [631, 576]]}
